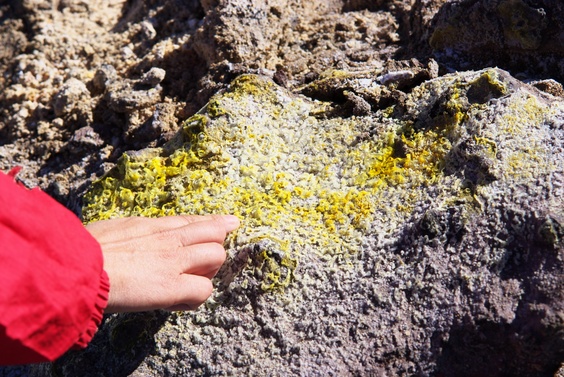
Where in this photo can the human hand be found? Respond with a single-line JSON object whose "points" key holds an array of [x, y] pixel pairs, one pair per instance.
{"points": [[162, 263]]}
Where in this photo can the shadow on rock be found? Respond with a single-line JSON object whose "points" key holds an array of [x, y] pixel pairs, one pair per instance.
{"points": [[118, 348], [499, 350], [524, 37]]}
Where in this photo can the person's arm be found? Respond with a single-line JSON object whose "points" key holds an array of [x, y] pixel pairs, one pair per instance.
{"points": [[53, 288]]}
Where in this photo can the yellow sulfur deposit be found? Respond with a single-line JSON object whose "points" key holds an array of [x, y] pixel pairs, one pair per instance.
{"points": [[303, 183]]}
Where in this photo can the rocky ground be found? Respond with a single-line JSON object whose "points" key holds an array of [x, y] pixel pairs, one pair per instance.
{"points": [[84, 82]]}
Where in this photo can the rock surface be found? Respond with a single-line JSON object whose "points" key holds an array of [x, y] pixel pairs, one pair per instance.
{"points": [[396, 242], [401, 216]]}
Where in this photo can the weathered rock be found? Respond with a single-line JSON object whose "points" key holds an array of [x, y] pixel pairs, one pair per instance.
{"points": [[12, 39], [365, 60], [424, 239], [72, 101], [526, 37], [104, 76], [153, 77]]}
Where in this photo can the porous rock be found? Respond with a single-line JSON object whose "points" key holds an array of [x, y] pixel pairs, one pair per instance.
{"points": [[357, 58], [526, 37], [419, 239]]}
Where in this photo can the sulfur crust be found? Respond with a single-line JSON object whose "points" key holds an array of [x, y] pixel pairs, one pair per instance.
{"points": [[299, 182]]}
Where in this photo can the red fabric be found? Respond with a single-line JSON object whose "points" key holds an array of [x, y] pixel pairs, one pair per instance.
{"points": [[53, 288]]}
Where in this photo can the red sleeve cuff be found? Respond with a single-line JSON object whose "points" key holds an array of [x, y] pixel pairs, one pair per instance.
{"points": [[52, 286], [97, 314]]}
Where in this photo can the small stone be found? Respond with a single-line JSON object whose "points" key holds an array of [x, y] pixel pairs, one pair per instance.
{"points": [[148, 29], [70, 96], [153, 77], [103, 75], [85, 137], [549, 86]]}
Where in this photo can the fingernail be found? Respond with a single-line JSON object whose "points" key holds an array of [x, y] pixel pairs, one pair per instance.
{"points": [[232, 222]]}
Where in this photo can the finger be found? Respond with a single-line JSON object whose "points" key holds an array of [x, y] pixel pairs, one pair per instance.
{"points": [[213, 230], [192, 292], [203, 259], [121, 229], [115, 230]]}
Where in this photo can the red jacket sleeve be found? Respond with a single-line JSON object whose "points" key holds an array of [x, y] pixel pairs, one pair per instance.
{"points": [[53, 288]]}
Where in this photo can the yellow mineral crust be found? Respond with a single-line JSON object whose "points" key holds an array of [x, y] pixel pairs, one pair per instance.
{"points": [[305, 184]]}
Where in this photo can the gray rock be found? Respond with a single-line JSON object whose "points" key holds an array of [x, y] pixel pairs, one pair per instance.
{"points": [[69, 97], [153, 77], [395, 242], [124, 97], [104, 76]]}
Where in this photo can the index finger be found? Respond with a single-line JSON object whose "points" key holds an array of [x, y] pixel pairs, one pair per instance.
{"points": [[213, 229], [114, 230]]}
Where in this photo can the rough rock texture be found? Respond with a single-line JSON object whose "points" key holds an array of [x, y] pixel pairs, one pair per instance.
{"points": [[68, 65], [424, 238], [421, 234], [524, 36]]}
